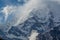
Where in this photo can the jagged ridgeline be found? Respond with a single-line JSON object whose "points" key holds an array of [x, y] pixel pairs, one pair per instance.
{"points": [[42, 25]]}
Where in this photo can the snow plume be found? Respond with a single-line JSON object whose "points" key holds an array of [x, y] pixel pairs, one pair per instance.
{"points": [[34, 34], [22, 13], [25, 11]]}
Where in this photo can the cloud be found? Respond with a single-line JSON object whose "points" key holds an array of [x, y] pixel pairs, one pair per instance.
{"points": [[22, 13], [7, 11]]}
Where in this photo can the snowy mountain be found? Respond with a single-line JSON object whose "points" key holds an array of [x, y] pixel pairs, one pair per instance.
{"points": [[30, 19]]}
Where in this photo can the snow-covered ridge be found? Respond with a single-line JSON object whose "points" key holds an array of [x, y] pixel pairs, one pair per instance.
{"points": [[39, 9]]}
